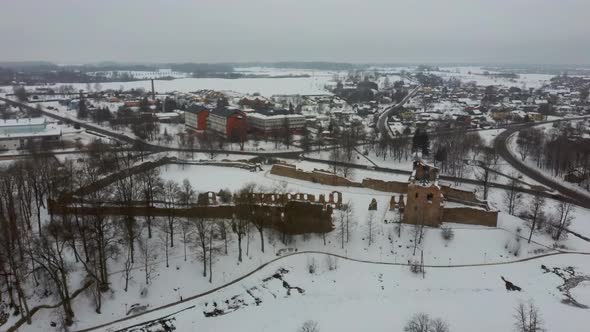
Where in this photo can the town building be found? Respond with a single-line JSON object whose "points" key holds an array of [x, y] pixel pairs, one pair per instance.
{"points": [[18, 133], [195, 117], [271, 120], [228, 121]]}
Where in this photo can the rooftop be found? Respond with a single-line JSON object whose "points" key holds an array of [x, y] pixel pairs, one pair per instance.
{"points": [[225, 111], [22, 122]]}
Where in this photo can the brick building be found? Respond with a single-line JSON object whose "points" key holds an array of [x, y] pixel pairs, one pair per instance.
{"points": [[228, 121], [195, 117]]}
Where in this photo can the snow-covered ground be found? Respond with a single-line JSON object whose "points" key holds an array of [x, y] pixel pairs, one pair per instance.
{"points": [[361, 296], [380, 294], [265, 86], [475, 74], [354, 285]]}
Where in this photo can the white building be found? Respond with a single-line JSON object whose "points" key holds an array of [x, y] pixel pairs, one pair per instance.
{"points": [[16, 133], [270, 122]]}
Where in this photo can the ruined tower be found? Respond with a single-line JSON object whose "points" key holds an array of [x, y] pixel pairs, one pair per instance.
{"points": [[425, 200]]}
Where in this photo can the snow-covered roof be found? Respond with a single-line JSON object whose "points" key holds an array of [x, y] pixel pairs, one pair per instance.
{"points": [[22, 122]]}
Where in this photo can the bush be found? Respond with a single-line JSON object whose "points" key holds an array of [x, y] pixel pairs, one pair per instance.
{"points": [[332, 262], [309, 326], [416, 267], [447, 233], [311, 266], [225, 196]]}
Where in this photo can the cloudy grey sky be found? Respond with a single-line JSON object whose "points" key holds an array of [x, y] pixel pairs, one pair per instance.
{"points": [[76, 31]]}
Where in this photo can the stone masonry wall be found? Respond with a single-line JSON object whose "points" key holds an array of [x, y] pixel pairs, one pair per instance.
{"points": [[458, 194], [316, 176], [323, 177], [471, 216], [387, 186]]}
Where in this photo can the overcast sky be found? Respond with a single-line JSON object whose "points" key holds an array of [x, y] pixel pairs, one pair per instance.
{"points": [[80, 31]]}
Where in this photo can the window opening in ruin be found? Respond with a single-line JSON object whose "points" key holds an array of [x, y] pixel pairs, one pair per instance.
{"points": [[429, 198]]}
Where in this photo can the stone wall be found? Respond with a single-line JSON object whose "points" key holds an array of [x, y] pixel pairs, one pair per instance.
{"points": [[471, 216], [458, 194], [295, 217], [327, 178], [432, 212], [316, 176], [387, 186], [112, 178]]}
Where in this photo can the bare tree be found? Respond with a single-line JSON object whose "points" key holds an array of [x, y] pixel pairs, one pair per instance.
{"points": [[439, 325], [528, 318], [257, 215], [535, 212], [561, 220], [49, 254], [164, 235], [424, 323], [309, 326], [528, 140], [170, 195], [148, 255], [239, 225], [151, 187], [11, 243], [512, 196], [341, 226], [209, 143], [349, 221], [186, 197], [223, 226], [487, 169], [203, 231], [127, 268], [212, 250], [371, 226]]}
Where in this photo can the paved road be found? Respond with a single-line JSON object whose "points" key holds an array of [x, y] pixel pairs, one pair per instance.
{"points": [[382, 121], [565, 193], [501, 145]]}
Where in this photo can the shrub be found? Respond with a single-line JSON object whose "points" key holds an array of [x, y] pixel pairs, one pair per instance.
{"points": [[332, 262], [311, 266], [447, 233], [416, 267], [309, 326]]}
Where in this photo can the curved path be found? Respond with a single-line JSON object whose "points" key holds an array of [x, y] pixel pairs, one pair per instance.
{"points": [[501, 145], [382, 121], [169, 305]]}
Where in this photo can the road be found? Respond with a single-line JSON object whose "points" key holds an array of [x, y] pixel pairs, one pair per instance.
{"points": [[136, 142], [565, 193], [382, 121], [453, 179], [501, 145]]}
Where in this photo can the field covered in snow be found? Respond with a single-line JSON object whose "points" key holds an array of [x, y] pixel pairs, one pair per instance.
{"points": [[266, 86], [476, 74], [370, 297], [382, 294]]}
